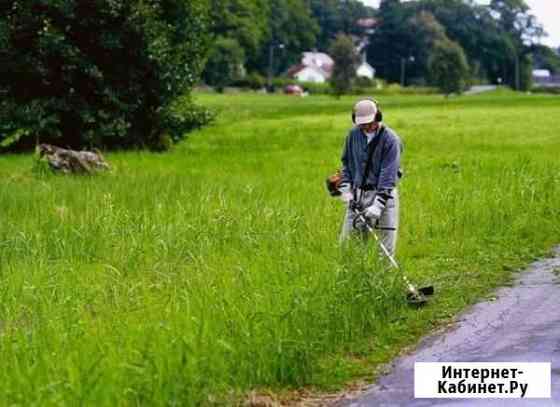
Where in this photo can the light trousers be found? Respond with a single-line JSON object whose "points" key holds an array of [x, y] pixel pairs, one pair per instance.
{"points": [[386, 227]]}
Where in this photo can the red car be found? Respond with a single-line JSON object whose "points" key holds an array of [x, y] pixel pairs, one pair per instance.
{"points": [[293, 90]]}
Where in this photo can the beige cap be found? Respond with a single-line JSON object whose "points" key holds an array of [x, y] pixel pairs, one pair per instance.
{"points": [[365, 111]]}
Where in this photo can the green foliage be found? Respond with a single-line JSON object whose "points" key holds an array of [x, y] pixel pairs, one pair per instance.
{"points": [[449, 69], [300, 25], [245, 21], [546, 58], [98, 73], [526, 73], [476, 30], [363, 82], [515, 19], [392, 41], [343, 52], [291, 24], [183, 115], [225, 63], [493, 37], [202, 275], [252, 81], [336, 17], [546, 90], [256, 24], [315, 88], [424, 30]]}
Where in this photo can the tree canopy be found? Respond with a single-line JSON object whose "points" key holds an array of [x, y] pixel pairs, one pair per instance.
{"points": [[345, 61], [99, 73], [499, 40], [448, 67]]}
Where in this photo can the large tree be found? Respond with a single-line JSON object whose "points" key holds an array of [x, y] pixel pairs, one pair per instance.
{"points": [[292, 27], [391, 43], [338, 17], [99, 72], [545, 58], [473, 27], [496, 38], [244, 21], [521, 30], [225, 63], [448, 67], [345, 59], [424, 31]]}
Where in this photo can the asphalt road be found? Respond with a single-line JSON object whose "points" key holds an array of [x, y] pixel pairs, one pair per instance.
{"points": [[521, 325]]}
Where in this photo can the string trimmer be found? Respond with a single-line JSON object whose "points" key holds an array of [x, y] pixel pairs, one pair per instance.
{"points": [[414, 296]]}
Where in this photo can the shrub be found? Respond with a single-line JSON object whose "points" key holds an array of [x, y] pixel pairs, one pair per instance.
{"points": [[252, 81], [546, 89], [315, 88], [345, 61], [363, 82], [225, 63], [448, 66], [99, 73]]}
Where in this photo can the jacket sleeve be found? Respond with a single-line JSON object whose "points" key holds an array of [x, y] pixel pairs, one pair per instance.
{"points": [[346, 172], [390, 165]]}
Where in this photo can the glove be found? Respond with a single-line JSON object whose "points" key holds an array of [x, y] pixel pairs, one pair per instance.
{"points": [[346, 194], [346, 197], [374, 211]]}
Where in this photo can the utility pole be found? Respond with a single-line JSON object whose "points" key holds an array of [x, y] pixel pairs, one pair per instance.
{"points": [[403, 70], [517, 78], [271, 64]]}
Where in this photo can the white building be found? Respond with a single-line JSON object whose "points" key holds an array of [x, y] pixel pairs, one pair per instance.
{"points": [[365, 70], [308, 74], [541, 73], [318, 59], [317, 67], [314, 67]]}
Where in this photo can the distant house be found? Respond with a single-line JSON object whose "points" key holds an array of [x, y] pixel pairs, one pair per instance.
{"points": [[543, 78], [367, 22], [541, 73], [319, 59], [365, 70], [309, 73], [314, 67], [317, 67]]}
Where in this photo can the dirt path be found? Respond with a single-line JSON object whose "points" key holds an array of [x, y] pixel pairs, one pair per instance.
{"points": [[521, 325]]}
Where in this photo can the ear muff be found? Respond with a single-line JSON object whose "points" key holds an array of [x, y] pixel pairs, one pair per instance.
{"points": [[378, 115]]}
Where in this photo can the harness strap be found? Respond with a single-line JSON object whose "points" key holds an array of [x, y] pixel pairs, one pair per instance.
{"points": [[372, 146]]}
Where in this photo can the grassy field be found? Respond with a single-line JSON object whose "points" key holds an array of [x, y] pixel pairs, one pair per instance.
{"points": [[193, 277]]}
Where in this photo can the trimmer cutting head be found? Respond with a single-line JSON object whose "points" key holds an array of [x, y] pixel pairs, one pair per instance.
{"points": [[419, 297], [428, 290]]}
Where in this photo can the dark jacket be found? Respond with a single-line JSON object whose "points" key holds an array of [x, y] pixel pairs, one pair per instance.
{"points": [[385, 164]]}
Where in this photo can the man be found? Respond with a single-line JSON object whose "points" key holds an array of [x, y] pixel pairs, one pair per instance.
{"points": [[370, 173]]}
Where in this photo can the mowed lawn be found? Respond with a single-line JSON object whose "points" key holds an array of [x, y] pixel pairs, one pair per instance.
{"points": [[195, 276]]}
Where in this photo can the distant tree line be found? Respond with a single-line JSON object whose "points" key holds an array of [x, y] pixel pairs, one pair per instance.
{"points": [[497, 43], [250, 30]]}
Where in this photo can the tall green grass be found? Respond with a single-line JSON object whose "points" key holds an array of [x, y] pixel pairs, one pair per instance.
{"points": [[192, 277]]}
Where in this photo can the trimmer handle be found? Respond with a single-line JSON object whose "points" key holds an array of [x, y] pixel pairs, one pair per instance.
{"points": [[358, 210], [356, 207]]}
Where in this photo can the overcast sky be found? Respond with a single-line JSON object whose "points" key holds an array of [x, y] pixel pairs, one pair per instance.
{"points": [[546, 11]]}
